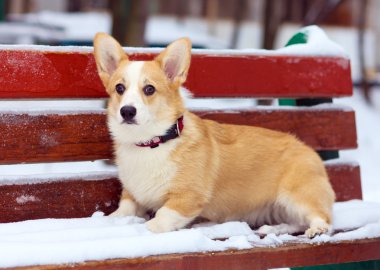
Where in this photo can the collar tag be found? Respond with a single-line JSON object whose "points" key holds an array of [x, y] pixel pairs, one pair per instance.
{"points": [[178, 130]]}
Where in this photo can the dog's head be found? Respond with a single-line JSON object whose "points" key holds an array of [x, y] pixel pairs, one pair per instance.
{"points": [[144, 95]]}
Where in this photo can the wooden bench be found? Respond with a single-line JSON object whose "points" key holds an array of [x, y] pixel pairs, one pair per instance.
{"points": [[60, 136]]}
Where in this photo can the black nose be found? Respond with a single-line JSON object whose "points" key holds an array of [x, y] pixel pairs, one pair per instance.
{"points": [[128, 112]]}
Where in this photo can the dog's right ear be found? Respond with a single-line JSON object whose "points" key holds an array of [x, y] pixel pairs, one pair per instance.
{"points": [[108, 55]]}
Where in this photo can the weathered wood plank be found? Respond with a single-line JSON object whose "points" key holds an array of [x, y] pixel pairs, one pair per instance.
{"points": [[59, 199], [293, 255], [50, 137], [68, 74], [346, 181], [53, 137], [80, 198]]}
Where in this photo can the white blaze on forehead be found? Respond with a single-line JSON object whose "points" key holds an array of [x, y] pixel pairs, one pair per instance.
{"points": [[134, 70], [133, 76]]}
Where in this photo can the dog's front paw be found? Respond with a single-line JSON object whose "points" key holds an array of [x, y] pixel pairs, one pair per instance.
{"points": [[126, 208], [157, 226], [118, 213], [167, 220]]}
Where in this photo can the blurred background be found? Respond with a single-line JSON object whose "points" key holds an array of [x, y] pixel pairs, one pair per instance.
{"points": [[222, 24], [215, 24]]}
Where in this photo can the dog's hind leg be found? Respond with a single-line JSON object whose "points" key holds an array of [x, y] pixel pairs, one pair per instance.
{"points": [[309, 206]]}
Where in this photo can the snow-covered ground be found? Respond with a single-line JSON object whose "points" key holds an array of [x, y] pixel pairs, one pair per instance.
{"points": [[50, 241]]}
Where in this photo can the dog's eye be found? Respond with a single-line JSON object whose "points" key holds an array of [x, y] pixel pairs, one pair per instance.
{"points": [[149, 90], [120, 88]]}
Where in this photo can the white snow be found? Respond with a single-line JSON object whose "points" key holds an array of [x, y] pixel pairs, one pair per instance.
{"points": [[341, 161], [26, 198], [347, 37], [47, 178], [49, 172], [86, 171], [52, 111], [68, 105], [77, 26], [368, 152], [199, 32], [52, 241], [175, 29], [318, 45], [21, 33], [317, 42], [46, 48], [353, 214], [43, 107]]}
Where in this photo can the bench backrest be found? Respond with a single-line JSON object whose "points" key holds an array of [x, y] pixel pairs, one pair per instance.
{"points": [[74, 135]]}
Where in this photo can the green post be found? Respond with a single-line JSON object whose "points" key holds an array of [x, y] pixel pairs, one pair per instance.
{"points": [[2, 10], [299, 38]]}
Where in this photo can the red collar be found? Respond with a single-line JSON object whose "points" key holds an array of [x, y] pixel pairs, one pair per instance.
{"points": [[173, 132]]}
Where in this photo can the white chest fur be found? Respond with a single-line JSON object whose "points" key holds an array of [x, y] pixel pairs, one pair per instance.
{"points": [[146, 173]]}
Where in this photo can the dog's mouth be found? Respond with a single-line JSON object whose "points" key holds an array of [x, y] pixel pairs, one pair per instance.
{"points": [[129, 122]]}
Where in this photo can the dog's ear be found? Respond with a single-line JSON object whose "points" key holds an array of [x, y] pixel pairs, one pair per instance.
{"points": [[175, 60], [108, 55]]}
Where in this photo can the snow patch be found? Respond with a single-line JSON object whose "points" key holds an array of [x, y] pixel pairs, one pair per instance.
{"points": [[89, 23], [318, 43], [56, 171], [56, 241], [46, 178], [26, 198], [341, 161]]}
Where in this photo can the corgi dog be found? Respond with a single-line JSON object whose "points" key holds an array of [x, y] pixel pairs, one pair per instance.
{"points": [[182, 167]]}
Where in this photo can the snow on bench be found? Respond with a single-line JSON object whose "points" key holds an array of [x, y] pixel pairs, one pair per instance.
{"points": [[64, 241]]}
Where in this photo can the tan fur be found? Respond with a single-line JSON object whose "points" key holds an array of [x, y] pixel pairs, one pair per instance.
{"points": [[216, 171]]}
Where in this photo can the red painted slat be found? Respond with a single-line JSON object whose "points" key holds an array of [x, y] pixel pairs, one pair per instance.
{"points": [[345, 180], [59, 199], [47, 74], [80, 198], [51, 137]]}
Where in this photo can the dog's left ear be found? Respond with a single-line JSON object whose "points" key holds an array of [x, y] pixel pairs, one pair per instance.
{"points": [[175, 60]]}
